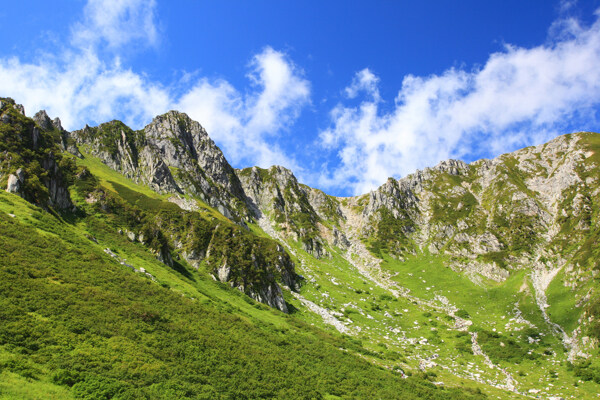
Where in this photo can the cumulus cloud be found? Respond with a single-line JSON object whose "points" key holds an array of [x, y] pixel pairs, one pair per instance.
{"points": [[79, 85], [519, 97], [83, 90], [364, 81], [247, 125]]}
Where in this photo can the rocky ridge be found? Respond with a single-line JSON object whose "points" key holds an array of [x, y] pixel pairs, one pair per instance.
{"points": [[172, 154], [534, 209], [31, 163], [489, 217]]}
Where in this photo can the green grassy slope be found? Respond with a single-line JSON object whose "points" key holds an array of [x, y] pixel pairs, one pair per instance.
{"points": [[77, 323], [407, 333]]}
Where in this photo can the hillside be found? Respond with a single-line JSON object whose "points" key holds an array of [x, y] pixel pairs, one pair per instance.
{"points": [[140, 264]]}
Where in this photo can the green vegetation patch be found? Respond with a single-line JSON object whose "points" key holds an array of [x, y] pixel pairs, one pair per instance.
{"points": [[79, 322]]}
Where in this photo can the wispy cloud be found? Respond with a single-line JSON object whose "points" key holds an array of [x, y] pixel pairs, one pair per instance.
{"points": [[519, 97], [248, 124], [116, 23], [364, 81]]}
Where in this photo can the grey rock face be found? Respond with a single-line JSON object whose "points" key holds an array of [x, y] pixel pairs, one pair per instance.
{"points": [[35, 137], [42, 119], [20, 175], [156, 173], [452, 167], [392, 195], [339, 239], [183, 144], [496, 213], [46, 124], [276, 194], [264, 289], [15, 182], [266, 191], [46, 155], [173, 154], [59, 196], [57, 124]]}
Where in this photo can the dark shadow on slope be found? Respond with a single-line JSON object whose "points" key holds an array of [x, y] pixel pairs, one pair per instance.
{"points": [[181, 269], [141, 200]]}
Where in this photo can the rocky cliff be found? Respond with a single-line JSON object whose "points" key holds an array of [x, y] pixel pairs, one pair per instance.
{"points": [[280, 204], [496, 215], [31, 162], [172, 154]]}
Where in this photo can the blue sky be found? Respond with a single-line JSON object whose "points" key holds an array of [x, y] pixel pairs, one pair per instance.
{"points": [[344, 93]]}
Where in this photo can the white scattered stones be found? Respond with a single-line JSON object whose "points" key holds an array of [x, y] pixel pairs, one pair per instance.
{"points": [[123, 262], [327, 316]]}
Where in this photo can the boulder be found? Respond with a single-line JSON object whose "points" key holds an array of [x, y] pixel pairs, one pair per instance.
{"points": [[16, 181]]}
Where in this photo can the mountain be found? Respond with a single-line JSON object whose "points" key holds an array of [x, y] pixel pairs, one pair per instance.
{"points": [[140, 264]]}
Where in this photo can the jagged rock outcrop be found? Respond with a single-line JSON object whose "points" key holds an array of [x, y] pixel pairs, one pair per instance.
{"points": [[490, 216], [54, 126], [30, 159], [16, 181], [203, 170], [276, 195], [264, 288], [172, 154], [42, 119]]}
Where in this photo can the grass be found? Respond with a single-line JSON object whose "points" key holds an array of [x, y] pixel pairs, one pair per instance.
{"points": [[391, 328], [150, 327], [106, 175], [14, 386], [563, 308]]}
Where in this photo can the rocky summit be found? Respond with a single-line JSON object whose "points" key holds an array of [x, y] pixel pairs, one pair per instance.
{"points": [[141, 264]]}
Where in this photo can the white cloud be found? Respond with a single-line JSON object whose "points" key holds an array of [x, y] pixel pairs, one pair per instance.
{"points": [[247, 125], [566, 5], [116, 23], [519, 97], [80, 88], [77, 84], [365, 81]]}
